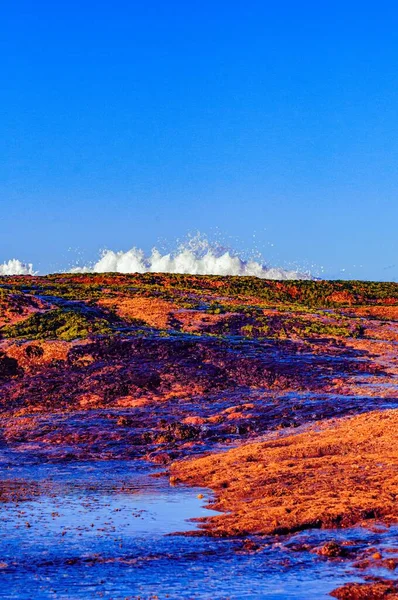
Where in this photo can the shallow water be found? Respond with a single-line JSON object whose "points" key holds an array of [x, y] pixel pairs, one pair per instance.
{"points": [[99, 530]]}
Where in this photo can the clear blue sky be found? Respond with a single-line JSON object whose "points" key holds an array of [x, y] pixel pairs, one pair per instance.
{"points": [[124, 122]]}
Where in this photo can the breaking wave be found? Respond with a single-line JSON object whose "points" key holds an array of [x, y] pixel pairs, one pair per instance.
{"points": [[135, 261], [196, 256], [16, 267]]}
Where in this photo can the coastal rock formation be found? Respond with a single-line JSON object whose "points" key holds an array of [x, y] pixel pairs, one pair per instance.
{"points": [[281, 396]]}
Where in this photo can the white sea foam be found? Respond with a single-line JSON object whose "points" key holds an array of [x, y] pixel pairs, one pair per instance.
{"points": [[16, 267], [185, 261], [196, 256]]}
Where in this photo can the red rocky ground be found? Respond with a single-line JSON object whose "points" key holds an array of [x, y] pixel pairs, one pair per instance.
{"points": [[170, 367]]}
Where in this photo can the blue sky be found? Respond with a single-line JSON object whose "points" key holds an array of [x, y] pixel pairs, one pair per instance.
{"points": [[122, 123]]}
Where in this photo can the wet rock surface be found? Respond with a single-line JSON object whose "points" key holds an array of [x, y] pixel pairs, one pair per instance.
{"points": [[168, 368], [338, 475], [367, 591]]}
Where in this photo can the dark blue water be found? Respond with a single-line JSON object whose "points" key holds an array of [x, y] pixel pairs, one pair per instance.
{"points": [[100, 530]]}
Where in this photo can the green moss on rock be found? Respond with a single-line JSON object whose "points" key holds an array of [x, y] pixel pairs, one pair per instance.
{"points": [[61, 324]]}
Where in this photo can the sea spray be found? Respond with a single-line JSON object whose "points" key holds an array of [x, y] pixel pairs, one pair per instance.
{"points": [[185, 261], [195, 256], [16, 267]]}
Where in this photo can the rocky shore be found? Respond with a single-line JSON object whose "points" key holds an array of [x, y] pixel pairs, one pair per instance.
{"points": [[281, 397]]}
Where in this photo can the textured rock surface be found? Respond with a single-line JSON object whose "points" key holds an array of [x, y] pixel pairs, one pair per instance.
{"points": [[254, 374]]}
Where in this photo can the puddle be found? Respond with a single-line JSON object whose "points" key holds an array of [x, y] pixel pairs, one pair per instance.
{"points": [[99, 530]]}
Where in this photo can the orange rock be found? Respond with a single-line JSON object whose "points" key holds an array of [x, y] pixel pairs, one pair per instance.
{"points": [[335, 476], [193, 420], [90, 399], [153, 311]]}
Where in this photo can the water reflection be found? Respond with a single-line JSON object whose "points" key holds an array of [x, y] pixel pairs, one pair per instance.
{"points": [[99, 530]]}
